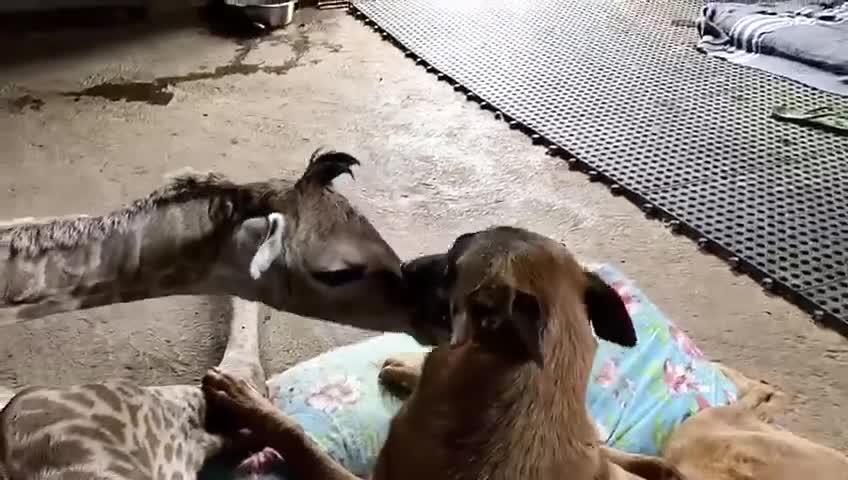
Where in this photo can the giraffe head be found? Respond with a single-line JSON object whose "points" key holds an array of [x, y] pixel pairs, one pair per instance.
{"points": [[295, 245], [326, 256]]}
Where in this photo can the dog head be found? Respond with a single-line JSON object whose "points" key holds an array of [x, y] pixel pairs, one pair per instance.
{"points": [[503, 289]]}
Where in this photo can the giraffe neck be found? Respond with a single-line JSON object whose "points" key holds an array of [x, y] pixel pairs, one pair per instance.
{"points": [[175, 249]]}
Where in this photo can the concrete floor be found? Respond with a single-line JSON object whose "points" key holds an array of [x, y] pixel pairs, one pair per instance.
{"points": [[434, 166]]}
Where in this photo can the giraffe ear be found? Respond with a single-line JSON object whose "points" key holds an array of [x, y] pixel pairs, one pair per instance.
{"points": [[271, 248]]}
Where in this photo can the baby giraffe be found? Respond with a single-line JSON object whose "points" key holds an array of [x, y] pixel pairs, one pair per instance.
{"points": [[120, 431], [505, 399], [294, 244]]}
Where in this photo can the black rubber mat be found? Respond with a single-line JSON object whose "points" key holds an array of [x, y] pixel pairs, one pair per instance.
{"points": [[618, 89]]}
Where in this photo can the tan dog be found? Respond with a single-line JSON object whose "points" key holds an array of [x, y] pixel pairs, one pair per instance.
{"points": [[738, 442], [506, 399]]}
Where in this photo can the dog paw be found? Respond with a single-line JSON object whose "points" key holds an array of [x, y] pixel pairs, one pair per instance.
{"points": [[392, 376], [402, 371], [412, 360], [235, 395]]}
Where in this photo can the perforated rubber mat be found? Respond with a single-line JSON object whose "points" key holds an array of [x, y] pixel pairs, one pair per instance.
{"points": [[618, 90]]}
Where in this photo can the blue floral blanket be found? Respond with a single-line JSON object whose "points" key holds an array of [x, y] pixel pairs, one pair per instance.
{"points": [[637, 396]]}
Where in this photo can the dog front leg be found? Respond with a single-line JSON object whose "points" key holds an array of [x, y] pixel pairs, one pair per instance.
{"points": [[248, 407], [642, 466]]}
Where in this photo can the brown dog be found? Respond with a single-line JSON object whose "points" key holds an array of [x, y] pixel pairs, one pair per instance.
{"points": [[506, 399], [738, 441]]}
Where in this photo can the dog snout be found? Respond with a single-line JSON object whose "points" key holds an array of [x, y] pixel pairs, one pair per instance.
{"points": [[424, 272], [425, 279], [414, 269]]}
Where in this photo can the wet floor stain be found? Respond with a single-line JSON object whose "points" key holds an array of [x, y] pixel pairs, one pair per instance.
{"points": [[157, 92], [148, 92], [24, 102]]}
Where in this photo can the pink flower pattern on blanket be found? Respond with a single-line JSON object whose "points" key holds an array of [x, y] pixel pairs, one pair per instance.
{"points": [[681, 380], [610, 378], [625, 291], [609, 373], [684, 342], [337, 392]]}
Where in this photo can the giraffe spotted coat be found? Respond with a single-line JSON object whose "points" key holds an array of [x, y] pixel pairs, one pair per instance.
{"points": [[105, 431]]}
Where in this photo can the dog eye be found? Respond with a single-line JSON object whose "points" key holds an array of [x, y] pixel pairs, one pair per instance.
{"points": [[337, 278]]}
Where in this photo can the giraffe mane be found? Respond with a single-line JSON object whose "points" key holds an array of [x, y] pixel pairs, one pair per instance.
{"points": [[31, 237]]}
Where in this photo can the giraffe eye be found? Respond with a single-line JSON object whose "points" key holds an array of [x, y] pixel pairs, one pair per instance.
{"points": [[337, 278]]}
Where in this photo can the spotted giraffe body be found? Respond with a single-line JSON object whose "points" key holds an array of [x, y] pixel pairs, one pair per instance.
{"points": [[113, 430], [117, 430]]}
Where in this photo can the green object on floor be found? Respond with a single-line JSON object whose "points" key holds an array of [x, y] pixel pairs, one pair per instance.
{"points": [[822, 117]]}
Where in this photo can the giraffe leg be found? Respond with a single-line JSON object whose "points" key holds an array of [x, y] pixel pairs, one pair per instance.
{"points": [[241, 360], [241, 357]]}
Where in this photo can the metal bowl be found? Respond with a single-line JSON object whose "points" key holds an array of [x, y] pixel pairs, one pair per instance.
{"points": [[269, 13]]}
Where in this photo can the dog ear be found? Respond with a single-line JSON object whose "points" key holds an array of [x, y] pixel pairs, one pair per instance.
{"points": [[608, 313], [508, 320]]}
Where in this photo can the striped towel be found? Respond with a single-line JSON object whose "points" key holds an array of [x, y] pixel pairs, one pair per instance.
{"points": [[804, 41]]}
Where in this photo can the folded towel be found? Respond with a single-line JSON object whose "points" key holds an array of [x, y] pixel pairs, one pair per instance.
{"points": [[806, 43]]}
